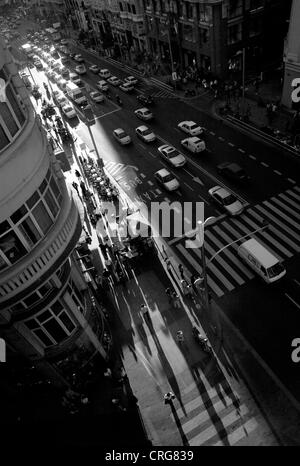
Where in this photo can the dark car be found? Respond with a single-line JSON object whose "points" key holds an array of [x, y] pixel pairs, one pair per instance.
{"points": [[233, 171], [145, 99]]}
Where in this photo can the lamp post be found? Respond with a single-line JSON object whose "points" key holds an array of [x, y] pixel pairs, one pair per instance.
{"points": [[201, 226]]}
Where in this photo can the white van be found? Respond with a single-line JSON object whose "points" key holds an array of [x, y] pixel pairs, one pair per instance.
{"points": [[261, 260], [104, 74]]}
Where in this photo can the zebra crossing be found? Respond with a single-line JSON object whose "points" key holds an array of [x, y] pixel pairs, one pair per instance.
{"points": [[226, 271], [214, 415]]}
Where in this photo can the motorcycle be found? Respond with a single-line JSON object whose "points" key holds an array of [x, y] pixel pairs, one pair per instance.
{"points": [[201, 340]]}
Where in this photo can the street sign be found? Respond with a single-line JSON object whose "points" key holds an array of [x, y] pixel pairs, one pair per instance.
{"points": [[174, 76]]}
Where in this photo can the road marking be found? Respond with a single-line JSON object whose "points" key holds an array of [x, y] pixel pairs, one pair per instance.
{"points": [[142, 175], [188, 186], [221, 139], [231, 144], [202, 198], [158, 191], [154, 156], [212, 133], [167, 199], [291, 181], [176, 129], [242, 151], [296, 281], [184, 169], [264, 164], [252, 157], [291, 299], [179, 193], [277, 172], [150, 183], [108, 113]]}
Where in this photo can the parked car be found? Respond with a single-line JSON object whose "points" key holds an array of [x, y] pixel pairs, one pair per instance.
{"points": [[94, 69], [62, 101], [145, 133], [233, 171], [194, 144], [126, 87], [190, 127], [131, 80], [97, 96], [114, 81], [172, 156], [143, 113], [167, 180], [121, 136], [226, 200]]}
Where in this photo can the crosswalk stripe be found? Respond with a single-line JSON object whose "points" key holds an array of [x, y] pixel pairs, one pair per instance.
{"points": [[269, 238], [247, 230], [109, 164], [277, 221], [222, 262], [291, 193], [282, 215], [297, 188], [243, 431], [142, 175], [286, 208], [234, 259], [216, 272], [217, 290], [289, 201], [158, 191], [204, 416], [116, 169], [211, 431]]}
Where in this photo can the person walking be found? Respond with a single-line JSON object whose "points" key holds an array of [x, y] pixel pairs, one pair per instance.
{"points": [[169, 294], [78, 174], [75, 186], [145, 312], [181, 271], [169, 398], [175, 300]]}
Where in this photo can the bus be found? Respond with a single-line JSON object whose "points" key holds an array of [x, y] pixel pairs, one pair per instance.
{"points": [[53, 34]]}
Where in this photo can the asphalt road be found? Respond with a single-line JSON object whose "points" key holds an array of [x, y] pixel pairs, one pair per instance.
{"points": [[267, 316]]}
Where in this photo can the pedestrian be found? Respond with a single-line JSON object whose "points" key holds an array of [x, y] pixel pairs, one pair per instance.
{"points": [[175, 300], [181, 271], [180, 337], [78, 174], [168, 398], [169, 294], [145, 312], [75, 186], [83, 188]]}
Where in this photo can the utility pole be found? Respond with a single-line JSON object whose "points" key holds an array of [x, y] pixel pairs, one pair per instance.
{"points": [[243, 82]]}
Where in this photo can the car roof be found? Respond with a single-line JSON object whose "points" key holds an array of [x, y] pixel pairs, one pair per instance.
{"points": [[195, 139], [163, 172], [222, 192], [142, 128], [259, 252], [119, 130], [143, 109]]}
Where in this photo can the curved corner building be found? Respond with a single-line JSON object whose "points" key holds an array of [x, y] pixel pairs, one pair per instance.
{"points": [[46, 310]]}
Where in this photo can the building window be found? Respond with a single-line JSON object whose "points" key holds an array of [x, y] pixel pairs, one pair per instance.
{"points": [[31, 299], [42, 217], [12, 247], [121, 6], [205, 13], [133, 9], [8, 118], [255, 26], [254, 4], [188, 32], [51, 203], [4, 141], [189, 11], [51, 326], [234, 33], [235, 8], [203, 35], [29, 231]]}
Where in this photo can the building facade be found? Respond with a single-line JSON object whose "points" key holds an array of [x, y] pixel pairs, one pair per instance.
{"points": [[47, 310], [291, 57]]}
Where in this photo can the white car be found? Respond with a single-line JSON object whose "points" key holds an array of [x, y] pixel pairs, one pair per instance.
{"points": [[167, 180], [96, 96], [122, 137], [131, 80], [143, 113], [114, 81], [226, 200], [79, 58], [126, 87], [194, 144], [62, 101], [94, 69], [172, 156], [104, 73], [145, 133], [69, 111], [80, 69], [190, 127], [102, 85]]}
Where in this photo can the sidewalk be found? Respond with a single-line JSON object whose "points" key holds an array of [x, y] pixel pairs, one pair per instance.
{"points": [[213, 405]]}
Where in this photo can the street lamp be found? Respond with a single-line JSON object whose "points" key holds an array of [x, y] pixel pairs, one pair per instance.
{"points": [[88, 117], [243, 52]]}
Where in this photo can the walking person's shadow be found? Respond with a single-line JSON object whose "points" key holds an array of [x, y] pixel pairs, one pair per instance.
{"points": [[185, 441]]}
